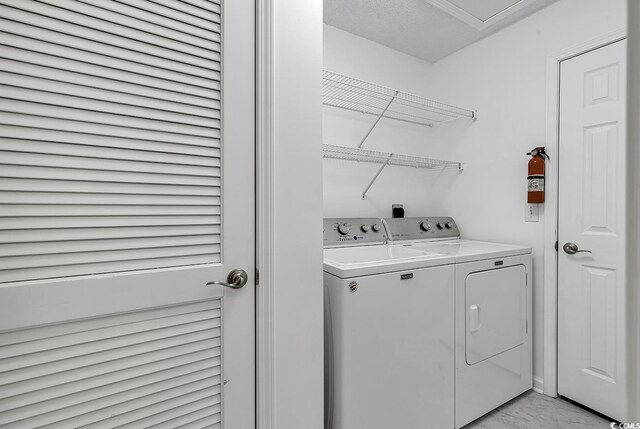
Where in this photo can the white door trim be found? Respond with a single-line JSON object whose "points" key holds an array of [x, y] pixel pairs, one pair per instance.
{"points": [[264, 216], [550, 260], [633, 207]]}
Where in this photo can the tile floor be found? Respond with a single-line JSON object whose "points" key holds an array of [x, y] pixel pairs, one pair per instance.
{"points": [[532, 410]]}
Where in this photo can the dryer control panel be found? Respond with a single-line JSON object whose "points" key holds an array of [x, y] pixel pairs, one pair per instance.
{"points": [[353, 231], [421, 228]]}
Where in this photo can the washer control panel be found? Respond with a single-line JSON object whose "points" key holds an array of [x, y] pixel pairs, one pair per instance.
{"points": [[421, 228], [353, 231]]}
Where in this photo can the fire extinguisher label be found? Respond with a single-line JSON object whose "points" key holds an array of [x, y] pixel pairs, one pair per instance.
{"points": [[536, 184]]}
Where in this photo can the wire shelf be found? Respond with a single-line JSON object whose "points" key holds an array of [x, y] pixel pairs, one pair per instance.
{"points": [[357, 95], [383, 159], [375, 157]]}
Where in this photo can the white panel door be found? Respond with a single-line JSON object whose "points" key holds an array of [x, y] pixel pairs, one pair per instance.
{"points": [[126, 185], [591, 285]]}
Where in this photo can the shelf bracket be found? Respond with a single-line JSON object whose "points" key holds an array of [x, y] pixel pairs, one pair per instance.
{"points": [[376, 176], [376, 122]]}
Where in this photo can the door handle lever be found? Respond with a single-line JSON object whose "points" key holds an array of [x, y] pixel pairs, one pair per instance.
{"points": [[236, 279], [572, 249]]}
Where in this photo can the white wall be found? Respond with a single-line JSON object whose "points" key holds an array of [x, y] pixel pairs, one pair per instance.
{"points": [[297, 394], [504, 77], [345, 181]]}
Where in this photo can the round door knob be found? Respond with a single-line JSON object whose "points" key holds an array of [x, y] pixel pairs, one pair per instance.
{"points": [[365, 228], [425, 226], [343, 229], [448, 225], [376, 227]]}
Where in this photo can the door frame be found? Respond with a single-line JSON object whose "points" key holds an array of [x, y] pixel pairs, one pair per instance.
{"points": [[264, 216], [549, 383], [277, 389]]}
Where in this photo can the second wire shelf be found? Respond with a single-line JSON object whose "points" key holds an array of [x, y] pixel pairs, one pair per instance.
{"points": [[384, 158]]}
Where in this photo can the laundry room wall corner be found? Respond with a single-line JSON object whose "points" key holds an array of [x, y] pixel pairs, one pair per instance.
{"points": [[418, 189]]}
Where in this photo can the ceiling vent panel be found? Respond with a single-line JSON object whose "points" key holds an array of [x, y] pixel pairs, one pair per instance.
{"points": [[480, 14], [486, 9]]}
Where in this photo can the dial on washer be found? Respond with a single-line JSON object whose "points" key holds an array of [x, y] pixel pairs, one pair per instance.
{"points": [[343, 229]]}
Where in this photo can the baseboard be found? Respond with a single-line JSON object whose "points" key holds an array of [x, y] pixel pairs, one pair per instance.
{"points": [[538, 384]]}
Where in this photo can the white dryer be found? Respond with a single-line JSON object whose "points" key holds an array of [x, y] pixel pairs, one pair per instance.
{"points": [[389, 331], [493, 305]]}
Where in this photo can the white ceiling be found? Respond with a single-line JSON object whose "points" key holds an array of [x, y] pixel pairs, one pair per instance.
{"points": [[427, 29]]}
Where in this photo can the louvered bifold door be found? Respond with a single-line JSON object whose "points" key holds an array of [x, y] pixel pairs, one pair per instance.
{"points": [[157, 368], [110, 132], [113, 209]]}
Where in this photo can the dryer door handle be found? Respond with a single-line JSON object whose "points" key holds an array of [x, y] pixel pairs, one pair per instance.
{"points": [[474, 318]]}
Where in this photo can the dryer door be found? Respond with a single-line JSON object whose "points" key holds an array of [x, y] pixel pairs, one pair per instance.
{"points": [[496, 312]]}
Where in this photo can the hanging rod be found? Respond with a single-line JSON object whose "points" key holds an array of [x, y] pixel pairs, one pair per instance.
{"points": [[385, 159], [357, 95]]}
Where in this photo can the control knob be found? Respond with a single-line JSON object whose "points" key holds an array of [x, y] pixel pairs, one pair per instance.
{"points": [[376, 227], [425, 226], [448, 225], [365, 228], [440, 225], [343, 229]]}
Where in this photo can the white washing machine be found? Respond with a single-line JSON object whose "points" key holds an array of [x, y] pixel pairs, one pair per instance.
{"points": [[389, 331], [493, 305]]}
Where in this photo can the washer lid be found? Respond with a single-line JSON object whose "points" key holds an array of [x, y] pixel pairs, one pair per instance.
{"points": [[347, 262], [467, 250]]}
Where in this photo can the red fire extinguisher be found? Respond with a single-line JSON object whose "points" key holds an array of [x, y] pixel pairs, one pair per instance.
{"points": [[535, 176]]}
